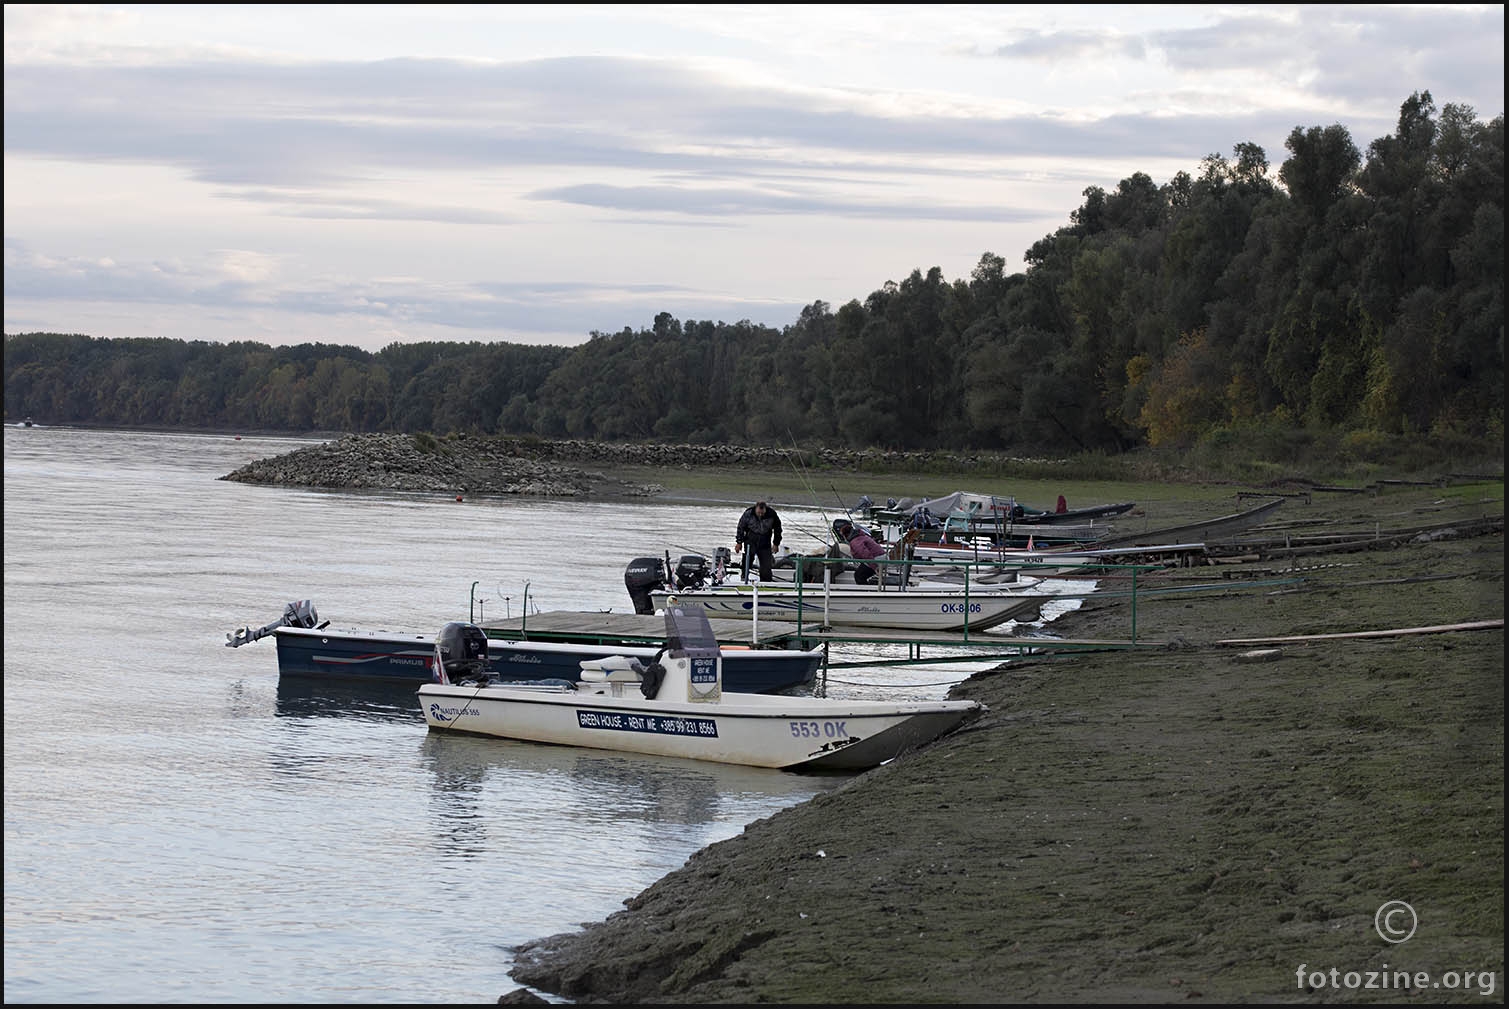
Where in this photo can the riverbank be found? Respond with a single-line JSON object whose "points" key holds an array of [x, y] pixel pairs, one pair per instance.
{"points": [[1191, 821], [829, 479]]}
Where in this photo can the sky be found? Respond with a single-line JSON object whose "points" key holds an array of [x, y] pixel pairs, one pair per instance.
{"points": [[369, 175]]}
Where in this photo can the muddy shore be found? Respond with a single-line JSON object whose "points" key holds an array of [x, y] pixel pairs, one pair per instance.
{"points": [[1193, 820]]}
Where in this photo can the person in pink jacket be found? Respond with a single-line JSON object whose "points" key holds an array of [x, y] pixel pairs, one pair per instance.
{"points": [[863, 546]]}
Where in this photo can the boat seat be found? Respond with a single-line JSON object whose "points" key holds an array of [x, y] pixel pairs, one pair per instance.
{"points": [[611, 669]]}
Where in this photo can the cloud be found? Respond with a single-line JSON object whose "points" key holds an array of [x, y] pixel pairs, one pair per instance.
{"points": [[1055, 46], [337, 124], [349, 207], [741, 203], [239, 280]]}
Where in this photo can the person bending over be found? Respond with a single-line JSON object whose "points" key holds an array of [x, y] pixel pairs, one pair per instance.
{"points": [[863, 547]]}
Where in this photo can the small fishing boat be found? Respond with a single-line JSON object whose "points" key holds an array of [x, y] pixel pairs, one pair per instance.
{"points": [[409, 658], [676, 707], [941, 609], [654, 586], [973, 512], [310, 649]]}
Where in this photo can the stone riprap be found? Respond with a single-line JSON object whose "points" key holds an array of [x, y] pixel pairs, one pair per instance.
{"points": [[545, 467], [400, 462]]}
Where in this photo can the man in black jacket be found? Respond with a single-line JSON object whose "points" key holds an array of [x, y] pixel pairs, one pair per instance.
{"points": [[760, 529]]}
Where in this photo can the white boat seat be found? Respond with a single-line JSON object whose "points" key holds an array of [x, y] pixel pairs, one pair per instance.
{"points": [[611, 669]]}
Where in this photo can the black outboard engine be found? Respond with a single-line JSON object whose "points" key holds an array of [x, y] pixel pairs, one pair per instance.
{"points": [[643, 576], [692, 572], [461, 648]]}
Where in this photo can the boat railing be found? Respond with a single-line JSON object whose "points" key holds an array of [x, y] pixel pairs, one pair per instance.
{"points": [[478, 604], [906, 564]]}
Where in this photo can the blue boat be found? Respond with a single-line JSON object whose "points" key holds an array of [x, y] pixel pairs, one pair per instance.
{"points": [[380, 656]]}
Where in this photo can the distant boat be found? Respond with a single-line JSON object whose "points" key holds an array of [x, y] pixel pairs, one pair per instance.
{"points": [[26, 422], [984, 512]]}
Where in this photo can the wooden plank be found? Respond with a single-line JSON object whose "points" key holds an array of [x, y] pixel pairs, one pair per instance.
{"points": [[569, 625]]}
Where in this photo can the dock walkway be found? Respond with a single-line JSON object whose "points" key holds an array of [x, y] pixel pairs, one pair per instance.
{"points": [[634, 628], [944, 646]]}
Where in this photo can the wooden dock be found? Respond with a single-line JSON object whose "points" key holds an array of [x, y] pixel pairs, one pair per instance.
{"points": [[635, 628]]}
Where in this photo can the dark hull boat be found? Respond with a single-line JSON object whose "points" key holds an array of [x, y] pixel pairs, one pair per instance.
{"points": [[410, 658]]}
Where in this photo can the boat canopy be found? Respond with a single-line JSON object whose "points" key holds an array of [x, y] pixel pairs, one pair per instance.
{"points": [[968, 503]]}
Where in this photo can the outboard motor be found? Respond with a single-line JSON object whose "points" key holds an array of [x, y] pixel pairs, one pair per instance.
{"points": [[300, 613], [692, 572], [643, 576], [461, 651]]}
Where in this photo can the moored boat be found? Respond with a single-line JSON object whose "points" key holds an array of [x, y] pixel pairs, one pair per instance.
{"points": [[677, 707], [309, 648], [902, 609], [653, 585], [409, 658]]}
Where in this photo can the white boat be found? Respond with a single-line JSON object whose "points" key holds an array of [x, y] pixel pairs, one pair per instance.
{"points": [[929, 576], [677, 708], [930, 609], [906, 566]]}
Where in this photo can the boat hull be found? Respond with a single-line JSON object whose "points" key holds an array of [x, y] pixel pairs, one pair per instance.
{"points": [[409, 658], [797, 734], [923, 611]]}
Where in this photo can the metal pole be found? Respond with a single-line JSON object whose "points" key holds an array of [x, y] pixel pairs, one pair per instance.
{"points": [[966, 601], [827, 584]]}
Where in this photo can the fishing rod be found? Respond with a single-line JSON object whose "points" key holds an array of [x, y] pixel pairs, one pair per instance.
{"points": [[810, 489], [841, 501]]}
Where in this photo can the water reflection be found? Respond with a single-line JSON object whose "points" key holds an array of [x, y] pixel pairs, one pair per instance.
{"points": [[300, 697], [596, 792]]}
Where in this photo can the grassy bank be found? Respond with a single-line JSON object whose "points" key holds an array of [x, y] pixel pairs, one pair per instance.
{"points": [[1254, 456], [1189, 821]]}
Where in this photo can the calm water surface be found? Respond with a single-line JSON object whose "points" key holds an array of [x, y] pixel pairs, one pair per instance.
{"points": [[180, 828]]}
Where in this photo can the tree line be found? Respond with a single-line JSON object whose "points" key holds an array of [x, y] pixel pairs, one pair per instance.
{"points": [[1352, 292]]}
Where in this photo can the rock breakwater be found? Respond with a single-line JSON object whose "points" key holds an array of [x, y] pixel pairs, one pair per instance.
{"points": [[548, 467], [420, 463]]}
